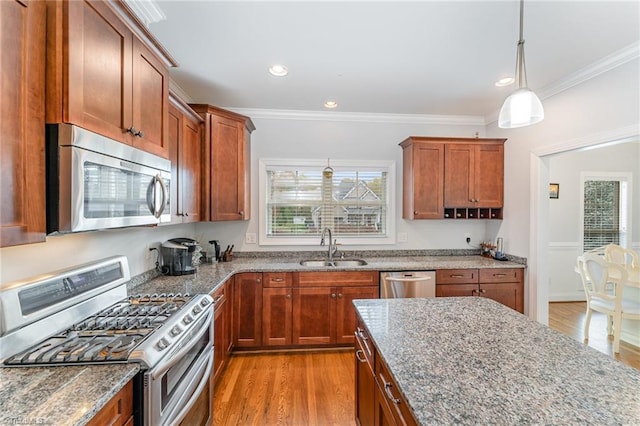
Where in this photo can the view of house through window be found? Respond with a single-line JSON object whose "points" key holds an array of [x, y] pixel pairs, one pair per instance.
{"points": [[605, 211], [302, 200]]}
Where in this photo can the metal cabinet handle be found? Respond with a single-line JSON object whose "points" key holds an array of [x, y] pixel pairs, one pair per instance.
{"points": [[333, 295], [482, 290], [132, 130], [139, 134], [288, 296], [340, 295], [277, 280], [456, 276], [241, 212], [258, 280], [387, 389], [359, 353], [499, 275]]}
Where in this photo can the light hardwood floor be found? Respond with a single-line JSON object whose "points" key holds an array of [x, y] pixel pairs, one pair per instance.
{"points": [[317, 388], [568, 318], [294, 388]]}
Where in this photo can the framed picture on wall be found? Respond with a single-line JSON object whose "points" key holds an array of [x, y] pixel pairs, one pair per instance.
{"points": [[554, 190]]}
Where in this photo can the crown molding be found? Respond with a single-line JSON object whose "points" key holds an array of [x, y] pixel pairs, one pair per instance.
{"points": [[615, 136], [148, 11], [469, 120], [608, 63]]}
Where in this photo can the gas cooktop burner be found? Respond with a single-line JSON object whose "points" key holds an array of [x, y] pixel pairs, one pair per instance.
{"points": [[109, 335]]}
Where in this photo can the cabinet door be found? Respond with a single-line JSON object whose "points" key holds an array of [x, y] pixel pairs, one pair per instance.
{"points": [[118, 411], [276, 316], [247, 313], [459, 175], [346, 313], [228, 170], [219, 326], [22, 209], [175, 127], [190, 171], [489, 175], [423, 181], [313, 315], [456, 290], [509, 294], [94, 80], [383, 415], [150, 85]]}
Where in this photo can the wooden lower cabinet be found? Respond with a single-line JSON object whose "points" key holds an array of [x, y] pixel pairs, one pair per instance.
{"points": [[323, 313], [118, 411], [247, 310], [504, 285], [277, 308], [223, 343], [314, 315], [377, 398]]}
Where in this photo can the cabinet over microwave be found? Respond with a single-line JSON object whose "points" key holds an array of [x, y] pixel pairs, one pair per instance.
{"points": [[94, 182]]}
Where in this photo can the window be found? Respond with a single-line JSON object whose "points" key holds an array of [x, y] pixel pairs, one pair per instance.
{"points": [[605, 210], [299, 198]]}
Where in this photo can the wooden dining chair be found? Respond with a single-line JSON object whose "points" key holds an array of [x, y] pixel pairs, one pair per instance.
{"points": [[604, 284]]}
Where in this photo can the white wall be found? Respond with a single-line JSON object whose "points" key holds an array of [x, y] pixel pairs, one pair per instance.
{"points": [[564, 212], [349, 137], [599, 110], [361, 138]]}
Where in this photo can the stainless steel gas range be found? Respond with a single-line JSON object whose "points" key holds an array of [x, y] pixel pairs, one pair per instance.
{"points": [[83, 315]]}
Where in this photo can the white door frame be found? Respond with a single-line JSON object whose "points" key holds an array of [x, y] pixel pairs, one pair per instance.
{"points": [[538, 263]]}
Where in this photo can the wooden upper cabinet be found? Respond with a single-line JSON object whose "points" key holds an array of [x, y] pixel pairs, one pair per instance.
{"points": [[423, 174], [452, 177], [474, 175], [22, 209], [185, 153], [102, 77], [226, 164]]}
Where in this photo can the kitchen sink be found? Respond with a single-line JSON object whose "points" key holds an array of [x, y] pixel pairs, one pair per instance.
{"points": [[334, 263]]}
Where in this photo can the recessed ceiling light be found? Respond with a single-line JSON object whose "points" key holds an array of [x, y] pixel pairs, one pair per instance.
{"points": [[505, 81], [278, 70], [331, 104]]}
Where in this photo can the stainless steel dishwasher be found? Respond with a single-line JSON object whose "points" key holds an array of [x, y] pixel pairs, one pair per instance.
{"points": [[407, 284]]}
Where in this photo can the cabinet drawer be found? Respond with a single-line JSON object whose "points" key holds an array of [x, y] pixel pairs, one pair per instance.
{"points": [[363, 344], [502, 275], [277, 279], [456, 276], [336, 279]]}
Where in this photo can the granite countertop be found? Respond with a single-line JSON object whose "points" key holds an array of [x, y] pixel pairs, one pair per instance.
{"points": [[473, 361], [210, 276], [59, 396]]}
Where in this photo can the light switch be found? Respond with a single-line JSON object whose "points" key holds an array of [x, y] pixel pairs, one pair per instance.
{"points": [[250, 238], [402, 237]]}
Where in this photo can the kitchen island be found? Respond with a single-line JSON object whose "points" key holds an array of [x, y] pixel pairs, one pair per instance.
{"points": [[473, 361]]}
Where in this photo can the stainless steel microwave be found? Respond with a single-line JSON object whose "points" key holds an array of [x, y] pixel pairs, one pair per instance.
{"points": [[94, 182]]}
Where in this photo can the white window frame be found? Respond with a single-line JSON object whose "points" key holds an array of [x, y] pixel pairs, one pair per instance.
{"points": [[337, 165], [622, 177]]}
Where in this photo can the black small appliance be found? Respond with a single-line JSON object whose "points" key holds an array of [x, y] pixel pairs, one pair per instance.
{"points": [[177, 256]]}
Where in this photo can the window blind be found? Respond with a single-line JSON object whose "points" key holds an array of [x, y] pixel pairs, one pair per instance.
{"points": [[602, 219], [302, 201]]}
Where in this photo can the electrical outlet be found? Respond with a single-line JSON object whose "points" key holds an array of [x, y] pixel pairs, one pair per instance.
{"points": [[467, 238], [250, 238], [403, 237]]}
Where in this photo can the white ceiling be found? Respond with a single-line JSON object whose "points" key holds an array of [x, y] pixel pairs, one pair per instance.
{"points": [[420, 57]]}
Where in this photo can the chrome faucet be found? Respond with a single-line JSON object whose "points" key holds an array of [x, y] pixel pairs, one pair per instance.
{"points": [[332, 244]]}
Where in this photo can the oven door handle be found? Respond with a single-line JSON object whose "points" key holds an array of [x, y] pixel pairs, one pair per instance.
{"points": [[196, 394], [177, 357]]}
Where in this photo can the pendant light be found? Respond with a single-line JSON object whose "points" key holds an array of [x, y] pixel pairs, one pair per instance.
{"points": [[522, 107]]}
